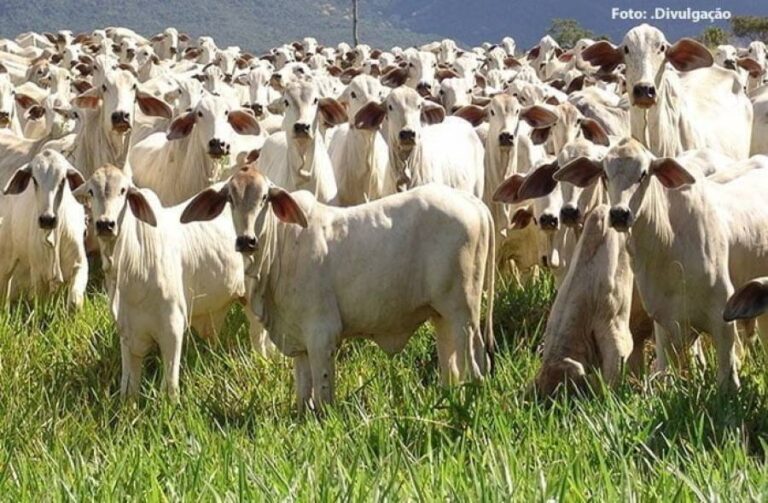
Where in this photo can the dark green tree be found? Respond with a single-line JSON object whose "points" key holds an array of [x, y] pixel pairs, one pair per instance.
{"points": [[712, 36], [568, 31], [750, 27]]}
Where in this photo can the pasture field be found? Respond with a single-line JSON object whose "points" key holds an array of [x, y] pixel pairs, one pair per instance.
{"points": [[394, 434]]}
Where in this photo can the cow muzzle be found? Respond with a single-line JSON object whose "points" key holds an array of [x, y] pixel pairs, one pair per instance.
{"points": [[729, 64], [258, 110], [5, 119], [246, 244], [106, 228], [644, 95], [217, 148], [121, 122], [301, 130], [570, 215], [620, 219], [506, 139], [424, 89], [47, 221], [407, 137], [549, 222]]}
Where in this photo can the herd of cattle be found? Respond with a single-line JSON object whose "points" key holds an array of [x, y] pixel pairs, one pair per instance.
{"points": [[352, 192]]}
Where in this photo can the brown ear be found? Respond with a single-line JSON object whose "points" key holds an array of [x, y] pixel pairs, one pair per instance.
{"points": [[473, 114], [576, 84], [253, 156], [140, 207], [581, 172], [594, 132], [243, 122], [205, 206], [89, 99], [182, 126], [670, 173], [539, 136], [153, 107], [603, 54], [335, 70], [192, 53], [19, 181], [533, 53], [748, 302], [443, 74], [558, 84], [481, 101], [754, 68], [35, 112], [25, 101], [184, 37], [395, 77], [333, 112], [538, 116], [507, 191], [565, 57], [74, 178], [349, 74], [241, 79], [157, 38], [538, 183], [686, 54], [286, 208], [511, 62], [522, 218], [83, 69], [432, 113], [82, 86], [480, 81], [370, 116]]}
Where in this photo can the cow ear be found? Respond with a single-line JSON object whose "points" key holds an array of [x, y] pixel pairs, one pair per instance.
{"points": [[538, 117], [370, 116], [538, 183], [19, 181], [480, 81], [473, 114], [25, 101], [205, 206], [333, 112], [511, 62], [395, 77], [594, 132], [140, 207], [749, 301], [182, 126], [241, 79], [153, 107], [74, 178], [581, 172], [565, 57], [522, 218], [754, 68], [686, 54], [286, 208], [576, 84], [89, 99], [350, 73], [533, 53], [670, 173], [481, 101], [432, 113], [35, 112], [539, 136], [445, 73], [82, 86], [603, 54], [253, 156], [243, 122], [507, 191]]}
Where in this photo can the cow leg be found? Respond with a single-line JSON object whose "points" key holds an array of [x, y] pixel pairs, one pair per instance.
{"points": [[303, 382], [322, 360], [725, 335], [79, 282], [170, 349], [260, 340], [669, 347], [133, 348]]}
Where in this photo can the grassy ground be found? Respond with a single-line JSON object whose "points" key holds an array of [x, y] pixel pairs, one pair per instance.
{"points": [[393, 434]]}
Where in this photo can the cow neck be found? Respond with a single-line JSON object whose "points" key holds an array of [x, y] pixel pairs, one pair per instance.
{"points": [[652, 229], [358, 163], [301, 165], [264, 265]]}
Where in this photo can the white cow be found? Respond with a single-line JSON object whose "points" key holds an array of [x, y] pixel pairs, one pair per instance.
{"points": [[324, 287]]}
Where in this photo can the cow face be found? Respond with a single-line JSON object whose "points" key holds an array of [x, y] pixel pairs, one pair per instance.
{"points": [[51, 176], [362, 90], [300, 105], [422, 66]]}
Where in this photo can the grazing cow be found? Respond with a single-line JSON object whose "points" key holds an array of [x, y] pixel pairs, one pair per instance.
{"points": [[595, 321], [424, 146], [109, 116], [160, 276], [678, 109], [200, 148], [296, 157], [360, 156], [41, 236], [691, 240], [323, 288]]}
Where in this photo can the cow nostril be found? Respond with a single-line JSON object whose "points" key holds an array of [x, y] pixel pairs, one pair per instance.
{"points": [[47, 221], [619, 218], [506, 138], [407, 134], [570, 215], [246, 244], [301, 127], [549, 222], [105, 226]]}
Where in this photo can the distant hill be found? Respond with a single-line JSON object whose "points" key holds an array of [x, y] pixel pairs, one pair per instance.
{"points": [[258, 24]]}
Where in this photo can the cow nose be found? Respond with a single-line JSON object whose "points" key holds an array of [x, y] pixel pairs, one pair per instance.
{"points": [[549, 222], [644, 94], [301, 128], [120, 117], [506, 138], [5, 117], [228, 78], [407, 135], [570, 215], [174, 51], [424, 88], [258, 110], [47, 221], [105, 227], [130, 53], [217, 147], [620, 218], [730, 64], [246, 244]]}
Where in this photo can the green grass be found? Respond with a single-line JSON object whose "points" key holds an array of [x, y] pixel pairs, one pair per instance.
{"points": [[393, 434]]}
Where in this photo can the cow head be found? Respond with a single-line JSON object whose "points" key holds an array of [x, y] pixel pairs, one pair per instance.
{"points": [[303, 108]]}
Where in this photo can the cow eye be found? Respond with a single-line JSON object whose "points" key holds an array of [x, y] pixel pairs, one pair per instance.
{"points": [[200, 114], [354, 96], [469, 91], [493, 112], [390, 107], [642, 177], [442, 92], [316, 101], [626, 50], [90, 192], [123, 191], [104, 87], [226, 112], [286, 103]]}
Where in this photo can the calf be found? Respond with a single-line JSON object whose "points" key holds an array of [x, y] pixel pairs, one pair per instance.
{"points": [[323, 288]]}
